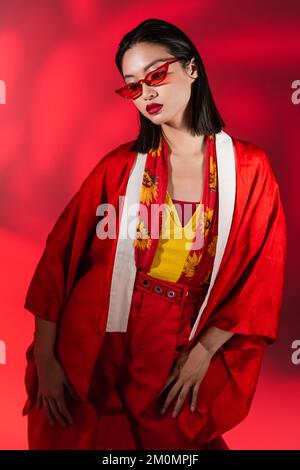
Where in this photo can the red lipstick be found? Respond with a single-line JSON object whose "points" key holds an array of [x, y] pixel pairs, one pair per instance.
{"points": [[153, 108]]}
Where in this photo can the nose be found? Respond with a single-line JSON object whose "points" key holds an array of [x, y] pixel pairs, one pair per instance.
{"points": [[147, 91]]}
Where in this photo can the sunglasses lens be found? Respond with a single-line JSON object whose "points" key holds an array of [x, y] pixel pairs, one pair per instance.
{"points": [[133, 90], [157, 76], [129, 91]]}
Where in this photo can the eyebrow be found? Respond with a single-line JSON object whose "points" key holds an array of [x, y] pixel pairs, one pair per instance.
{"points": [[147, 66]]}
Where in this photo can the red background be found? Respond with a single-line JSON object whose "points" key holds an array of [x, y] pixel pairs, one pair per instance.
{"points": [[61, 116]]}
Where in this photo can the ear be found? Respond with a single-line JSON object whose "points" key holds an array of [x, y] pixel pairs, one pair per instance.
{"points": [[192, 68]]}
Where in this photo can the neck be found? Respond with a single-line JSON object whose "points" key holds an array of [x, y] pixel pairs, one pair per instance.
{"points": [[181, 142]]}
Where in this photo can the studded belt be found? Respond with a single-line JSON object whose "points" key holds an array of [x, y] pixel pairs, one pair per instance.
{"points": [[173, 292]]}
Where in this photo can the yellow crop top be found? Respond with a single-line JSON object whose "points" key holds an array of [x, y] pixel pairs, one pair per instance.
{"points": [[172, 251]]}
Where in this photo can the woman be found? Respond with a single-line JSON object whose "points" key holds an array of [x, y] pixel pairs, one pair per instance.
{"points": [[176, 317]]}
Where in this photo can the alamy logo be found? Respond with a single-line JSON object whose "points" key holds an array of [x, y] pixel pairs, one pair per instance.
{"points": [[2, 352], [136, 222], [296, 94], [295, 357], [2, 92]]}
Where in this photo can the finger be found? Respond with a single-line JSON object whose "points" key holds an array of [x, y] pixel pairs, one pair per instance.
{"points": [[63, 409], [168, 382], [70, 389], [181, 398], [48, 411], [195, 395], [171, 395], [55, 411], [173, 375]]}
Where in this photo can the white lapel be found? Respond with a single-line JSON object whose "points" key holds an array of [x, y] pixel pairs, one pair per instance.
{"points": [[124, 270], [227, 189]]}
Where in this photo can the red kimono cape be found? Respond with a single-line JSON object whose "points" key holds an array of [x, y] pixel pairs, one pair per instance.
{"points": [[72, 283]]}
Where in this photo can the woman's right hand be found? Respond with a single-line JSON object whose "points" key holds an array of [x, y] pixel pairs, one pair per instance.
{"points": [[51, 392]]}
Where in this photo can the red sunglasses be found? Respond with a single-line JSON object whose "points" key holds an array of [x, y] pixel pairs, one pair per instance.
{"points": [[134, 89]]}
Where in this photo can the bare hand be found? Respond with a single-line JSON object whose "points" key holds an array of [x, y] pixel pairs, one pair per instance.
{"points": [[188, 371], [51, 393]]}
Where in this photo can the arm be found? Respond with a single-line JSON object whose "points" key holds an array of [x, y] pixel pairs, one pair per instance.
{"points": [[213, 338], [46, 296], [45, 334], [51, 286], [191, 366], [248, 304], [51, 376]]}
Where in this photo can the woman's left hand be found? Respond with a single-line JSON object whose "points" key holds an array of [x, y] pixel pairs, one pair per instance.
{"points": [[189, 370]]}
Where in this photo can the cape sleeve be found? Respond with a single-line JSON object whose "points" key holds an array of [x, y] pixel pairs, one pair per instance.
{"points": [[55, 273], [255, 272]]}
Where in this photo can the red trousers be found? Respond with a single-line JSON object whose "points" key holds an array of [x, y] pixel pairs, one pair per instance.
{"points": [[136, 364]]}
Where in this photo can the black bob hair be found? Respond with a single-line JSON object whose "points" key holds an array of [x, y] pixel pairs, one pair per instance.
{"points": [[204, 115]]}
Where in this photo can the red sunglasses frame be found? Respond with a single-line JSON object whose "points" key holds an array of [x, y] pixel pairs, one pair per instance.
{"points": [[125, 90]]}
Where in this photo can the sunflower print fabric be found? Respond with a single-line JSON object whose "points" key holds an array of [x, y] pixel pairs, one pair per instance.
{"points": [[149, 188], [198, 262]]}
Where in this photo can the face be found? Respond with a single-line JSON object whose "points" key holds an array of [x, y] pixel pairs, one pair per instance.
{"points": [[173, 93]]}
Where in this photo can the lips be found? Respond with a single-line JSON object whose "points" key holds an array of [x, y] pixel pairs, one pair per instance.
{"points": [[153, 107]]}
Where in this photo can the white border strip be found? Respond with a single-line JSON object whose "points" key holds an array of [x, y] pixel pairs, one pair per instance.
{"points": [[227, 190], [124, 271]]}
